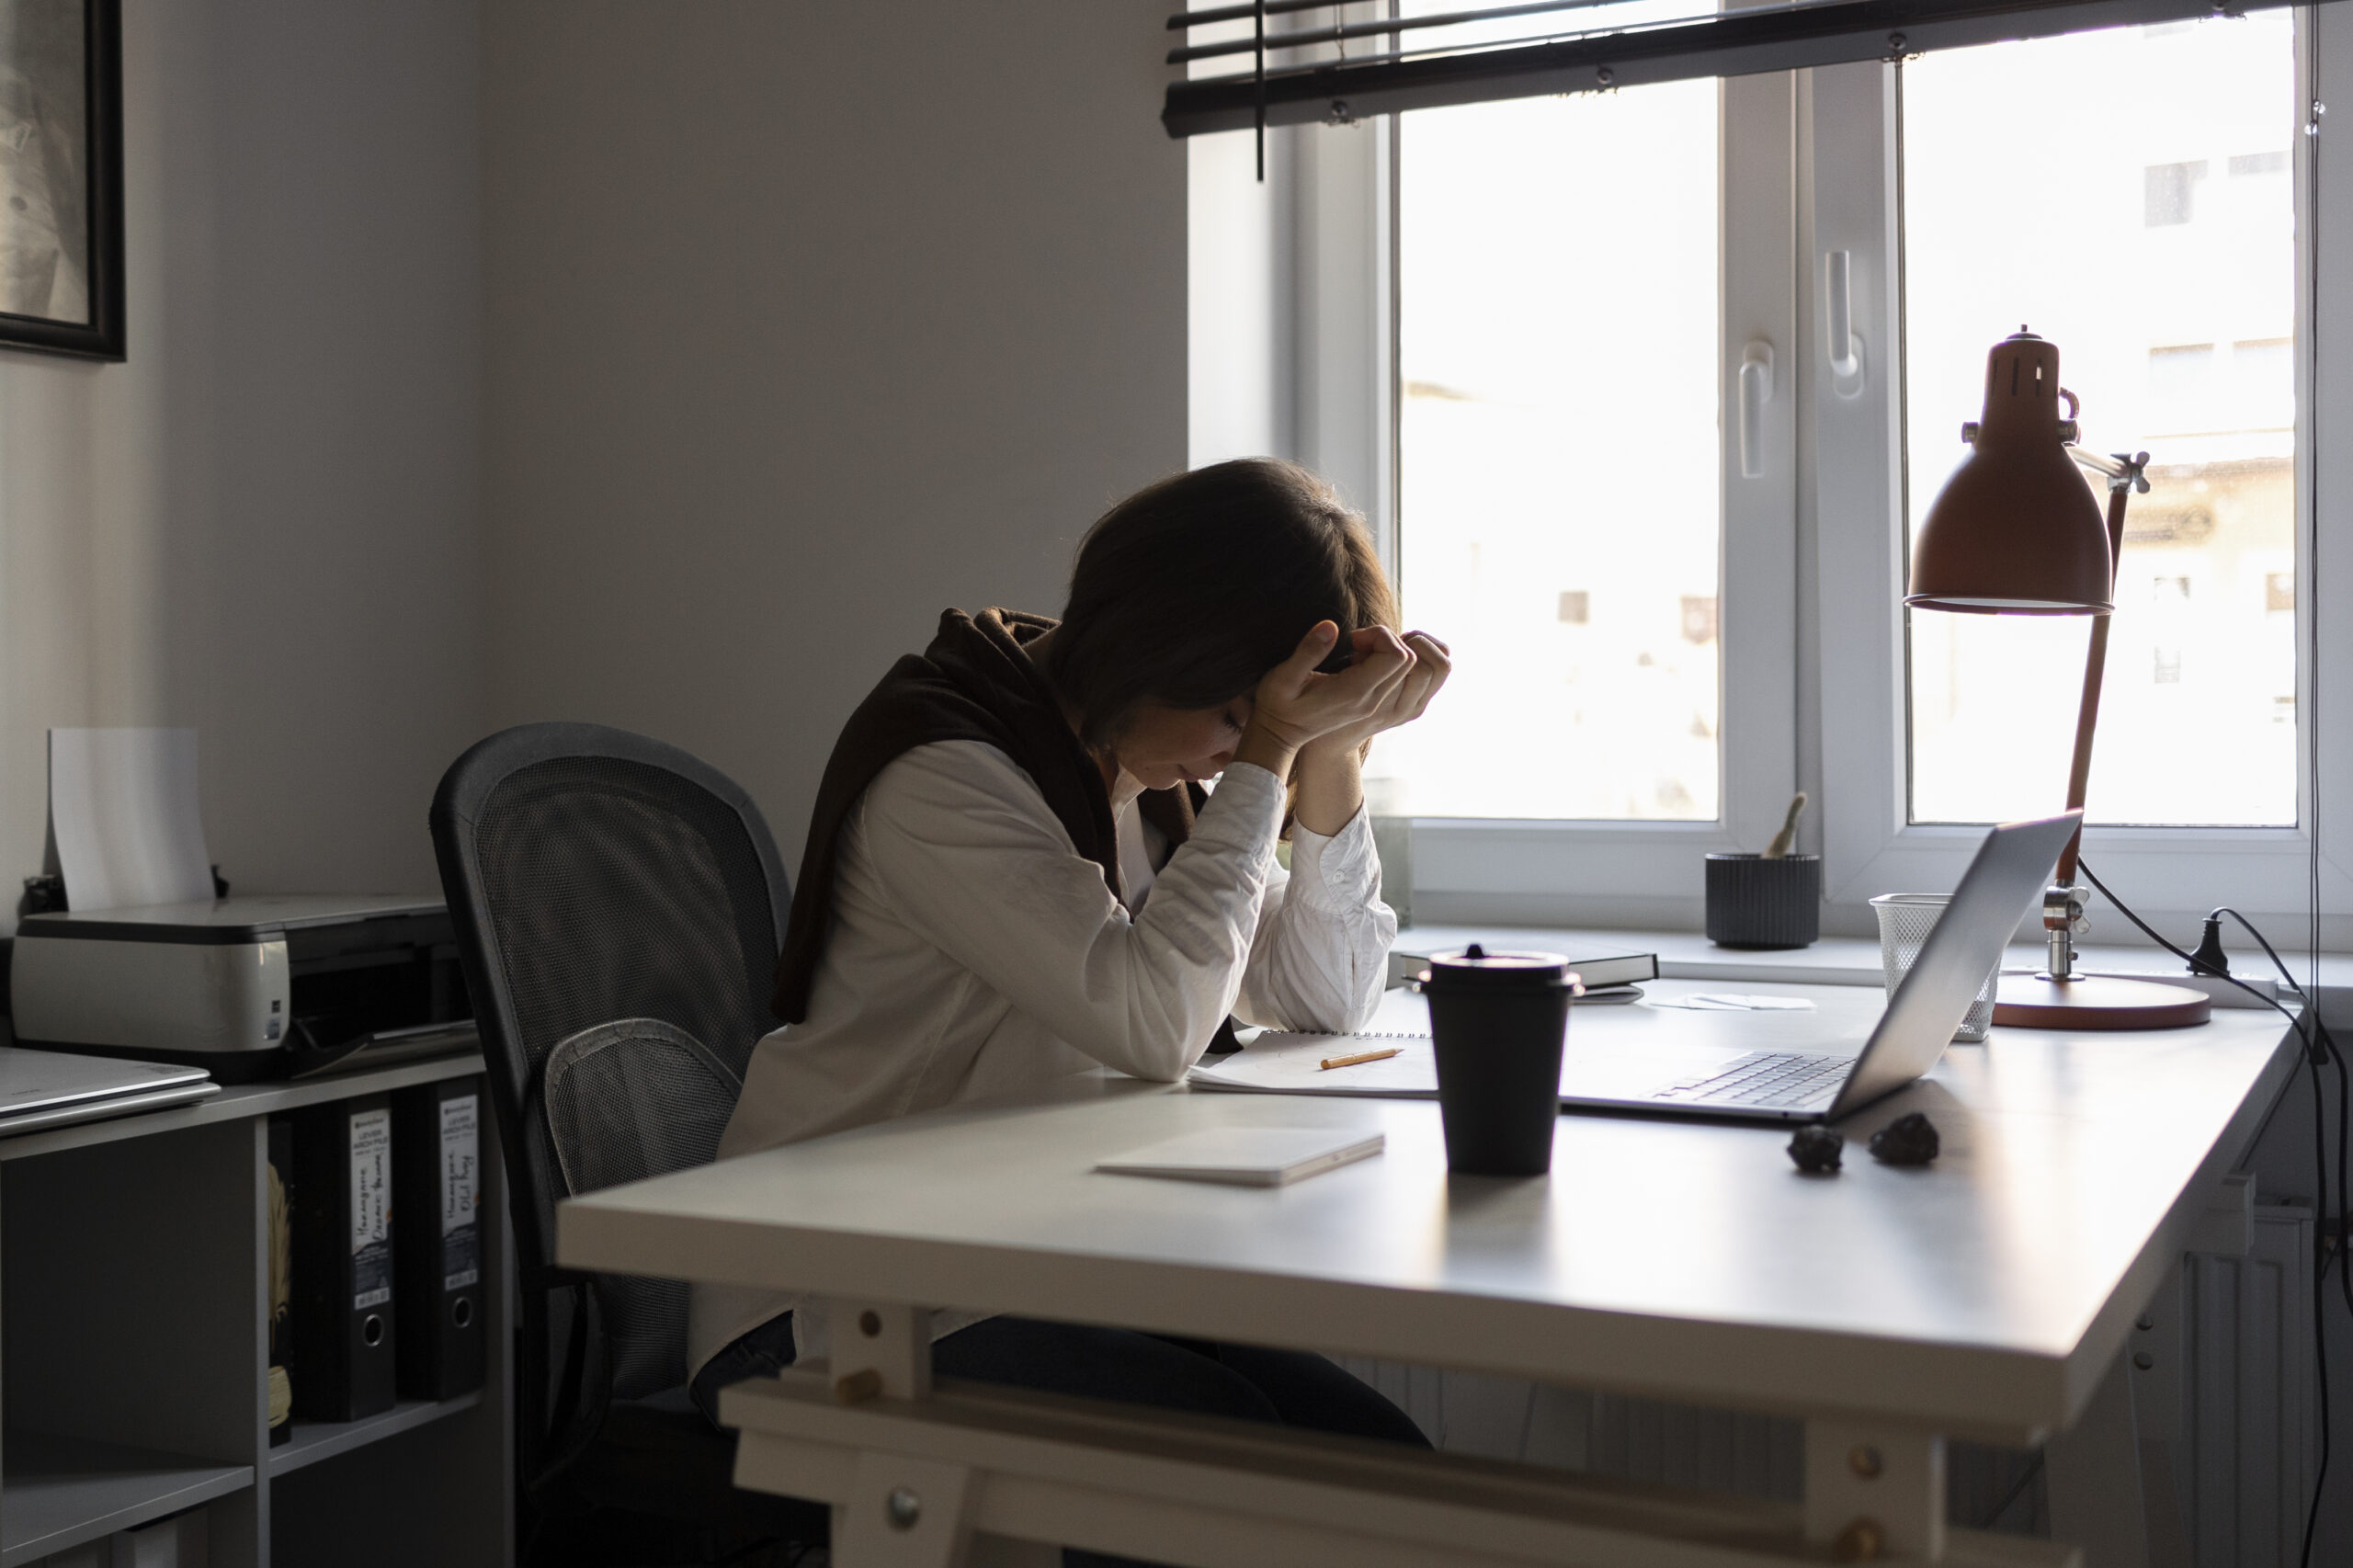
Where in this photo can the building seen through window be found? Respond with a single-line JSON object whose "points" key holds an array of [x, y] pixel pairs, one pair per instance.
{"points": [[2157, 183], [1557, 434]]}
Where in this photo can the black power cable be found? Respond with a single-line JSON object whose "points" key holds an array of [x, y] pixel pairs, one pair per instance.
{"points": [[2344, 1207], [2320, 1050]]}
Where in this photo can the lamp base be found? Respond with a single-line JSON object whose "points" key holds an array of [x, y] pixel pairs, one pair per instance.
{"points": [[2038, 1002]]}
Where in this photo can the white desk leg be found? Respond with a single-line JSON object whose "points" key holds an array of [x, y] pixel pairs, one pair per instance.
{"points": [[1875, 1490], [2094, 1469], [901, 1513], [2154, 1354], [892, 1344]]}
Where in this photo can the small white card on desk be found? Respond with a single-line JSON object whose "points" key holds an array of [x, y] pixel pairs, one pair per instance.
{"points": [[1248, 1157]]}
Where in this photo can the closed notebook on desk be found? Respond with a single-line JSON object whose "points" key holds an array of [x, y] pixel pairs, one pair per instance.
{"points": [[436, 1272], [343, 1259]]}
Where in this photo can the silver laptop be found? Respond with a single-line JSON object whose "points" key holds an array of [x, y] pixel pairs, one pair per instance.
{"points": [[2004, 879], [53, 1089]]}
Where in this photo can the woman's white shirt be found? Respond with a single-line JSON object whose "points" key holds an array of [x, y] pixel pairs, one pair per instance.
{"points": [[974, 953]]}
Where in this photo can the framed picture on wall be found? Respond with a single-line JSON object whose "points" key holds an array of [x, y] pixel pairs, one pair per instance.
{"points": [[61, 177]]}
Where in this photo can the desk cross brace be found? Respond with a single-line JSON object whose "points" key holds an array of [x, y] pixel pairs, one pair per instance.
{"points": [[976, 1476]]}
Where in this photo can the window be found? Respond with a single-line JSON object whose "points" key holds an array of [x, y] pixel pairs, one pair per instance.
{"points": [[2181, 386], [1557, 446], [2201, 376], [2169, 193], [1560, 304]]}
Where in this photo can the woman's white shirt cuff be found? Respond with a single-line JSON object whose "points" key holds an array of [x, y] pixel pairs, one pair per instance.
{"points": [[1335, 873]]}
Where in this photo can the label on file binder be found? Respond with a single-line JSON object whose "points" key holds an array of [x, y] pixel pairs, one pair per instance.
{"points": [[371, 1209], [460, 1193]]}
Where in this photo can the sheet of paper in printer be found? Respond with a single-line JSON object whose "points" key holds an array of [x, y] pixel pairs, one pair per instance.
{"points": [[122, 808]]}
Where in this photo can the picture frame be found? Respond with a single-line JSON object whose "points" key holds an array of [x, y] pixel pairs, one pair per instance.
{"points": [[60, 177]]}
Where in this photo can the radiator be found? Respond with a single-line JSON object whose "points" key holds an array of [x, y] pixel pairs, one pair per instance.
{"points": [[2245, 1434], [2225, 1406]]}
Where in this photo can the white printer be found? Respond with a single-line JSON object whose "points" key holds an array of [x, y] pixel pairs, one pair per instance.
{"points": [[268, 985]]}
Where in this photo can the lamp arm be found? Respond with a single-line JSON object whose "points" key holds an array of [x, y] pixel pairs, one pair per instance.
{"points": [[2060, 905], [2119, 467], [2079, 769]]}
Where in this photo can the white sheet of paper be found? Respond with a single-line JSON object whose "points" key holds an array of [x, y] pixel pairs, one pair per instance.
{"points": [[122, 806], [1736, 1002]]}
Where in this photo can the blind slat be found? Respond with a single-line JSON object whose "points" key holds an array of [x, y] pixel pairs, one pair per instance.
{"points": [[1183, 19], [1309, 37], [1729, 43]]}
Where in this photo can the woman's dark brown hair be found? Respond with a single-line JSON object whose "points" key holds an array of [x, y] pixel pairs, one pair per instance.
{"points": [[1187, 593]]}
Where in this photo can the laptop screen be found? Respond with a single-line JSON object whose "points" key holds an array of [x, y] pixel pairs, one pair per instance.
{"points": [[2002, 883]]}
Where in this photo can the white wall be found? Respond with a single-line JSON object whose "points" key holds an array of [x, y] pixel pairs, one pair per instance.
{"points": [[266, 523], [805, 321]]}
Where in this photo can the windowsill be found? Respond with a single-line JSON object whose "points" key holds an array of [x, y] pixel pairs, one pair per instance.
{"points": [[1843, 961]]}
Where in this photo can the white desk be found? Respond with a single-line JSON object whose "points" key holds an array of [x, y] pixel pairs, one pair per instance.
{"points": [[1985, 1297]]}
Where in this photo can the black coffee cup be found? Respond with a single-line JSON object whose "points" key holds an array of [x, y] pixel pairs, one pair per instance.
{"points": [[1499, 1021]]}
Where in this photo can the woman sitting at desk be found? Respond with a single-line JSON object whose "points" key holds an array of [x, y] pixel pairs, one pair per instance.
{"points": [[1012, 877]]}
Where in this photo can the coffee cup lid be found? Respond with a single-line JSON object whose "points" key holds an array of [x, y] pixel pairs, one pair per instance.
{"points": [[1474, 965]]}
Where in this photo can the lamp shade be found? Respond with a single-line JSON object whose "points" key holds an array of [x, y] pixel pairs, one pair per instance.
{"points": [[2015, 530]]}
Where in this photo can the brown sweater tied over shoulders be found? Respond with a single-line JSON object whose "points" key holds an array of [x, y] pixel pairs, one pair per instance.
{"points": [[974, 683]]}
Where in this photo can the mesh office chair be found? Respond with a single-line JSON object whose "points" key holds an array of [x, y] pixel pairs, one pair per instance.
{"points": [[619, 907]]}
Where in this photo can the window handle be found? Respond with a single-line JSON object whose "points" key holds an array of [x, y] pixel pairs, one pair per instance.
{"points": [[1755, 391], [1838, 316]]}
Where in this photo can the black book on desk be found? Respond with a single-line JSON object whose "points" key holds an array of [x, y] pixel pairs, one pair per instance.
{"points": [[343, 1259], [437, 1185]]}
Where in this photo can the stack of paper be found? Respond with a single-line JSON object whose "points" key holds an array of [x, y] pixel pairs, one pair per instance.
{"points": [[122, 810]]}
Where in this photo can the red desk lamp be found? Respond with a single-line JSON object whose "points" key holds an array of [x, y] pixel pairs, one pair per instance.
{"points": [[2014, 531]]}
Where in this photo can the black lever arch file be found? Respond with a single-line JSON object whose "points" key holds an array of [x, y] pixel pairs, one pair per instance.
{"points": [[437, 1177], [343, 1259]]}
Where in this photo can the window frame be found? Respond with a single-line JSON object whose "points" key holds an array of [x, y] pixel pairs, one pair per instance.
{"points": [[1294, 313], [1332, 314], [2170, 874]]}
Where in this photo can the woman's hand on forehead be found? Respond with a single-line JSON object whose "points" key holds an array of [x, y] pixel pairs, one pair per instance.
{"points": [[1409, 699], [1295, 706]]}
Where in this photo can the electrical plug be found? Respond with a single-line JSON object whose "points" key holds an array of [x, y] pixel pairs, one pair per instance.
{"points": [[2210, 958]]}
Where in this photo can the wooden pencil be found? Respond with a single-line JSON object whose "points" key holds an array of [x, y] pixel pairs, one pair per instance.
{"points": [[1331, 1062]]}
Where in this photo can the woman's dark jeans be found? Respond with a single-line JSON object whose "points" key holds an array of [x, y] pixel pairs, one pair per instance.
{"points": [[1286, 1388]]}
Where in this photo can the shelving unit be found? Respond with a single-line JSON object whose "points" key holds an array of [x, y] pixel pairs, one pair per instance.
{"points": [[135, 1355], [316, 1440], [60, 1491]]}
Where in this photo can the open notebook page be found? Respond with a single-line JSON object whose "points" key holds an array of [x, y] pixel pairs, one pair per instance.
{"points": [[1280, 1063]]}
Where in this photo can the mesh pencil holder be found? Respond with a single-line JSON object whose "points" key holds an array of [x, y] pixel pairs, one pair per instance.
{"points": [[1904, 921]]}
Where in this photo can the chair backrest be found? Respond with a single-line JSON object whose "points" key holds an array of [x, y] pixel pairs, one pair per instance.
{"points": [[594, 877], [623, 1101]]}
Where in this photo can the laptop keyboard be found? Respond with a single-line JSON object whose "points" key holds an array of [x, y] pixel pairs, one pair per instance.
{"points": [[1769, 1080]]}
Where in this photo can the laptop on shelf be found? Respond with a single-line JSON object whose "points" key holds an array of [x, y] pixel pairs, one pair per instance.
{"points": [[53, 1089]]}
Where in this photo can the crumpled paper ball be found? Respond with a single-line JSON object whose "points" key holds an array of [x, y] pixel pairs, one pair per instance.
{"points": [[1815, 1150], [1907, 1141]]}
